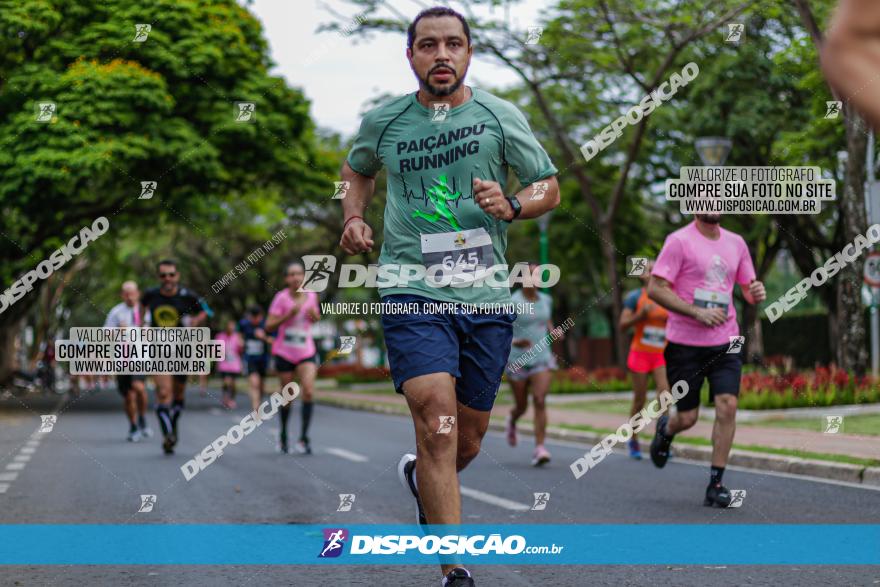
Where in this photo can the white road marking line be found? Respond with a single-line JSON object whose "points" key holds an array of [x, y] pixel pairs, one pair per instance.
{"points": [[4, 487], [494, 500], [347, 454], [8, 476], [15, 466], [27, 450], [21, 458], [32, 443]]}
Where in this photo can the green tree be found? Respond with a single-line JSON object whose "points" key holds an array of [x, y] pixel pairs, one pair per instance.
{"points": [[129, 110]]}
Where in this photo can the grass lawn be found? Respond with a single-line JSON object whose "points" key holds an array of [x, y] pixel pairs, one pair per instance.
{"points": [[607, 406], [862, 424]]}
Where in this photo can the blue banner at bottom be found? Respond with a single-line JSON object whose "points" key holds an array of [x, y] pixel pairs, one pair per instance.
{"points": [[517, 544]]}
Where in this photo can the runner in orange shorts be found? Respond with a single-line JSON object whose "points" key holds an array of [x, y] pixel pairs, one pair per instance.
{"points": [[646, 349]]}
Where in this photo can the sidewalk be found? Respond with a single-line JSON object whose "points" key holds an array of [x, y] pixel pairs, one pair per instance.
{"points": [[852, 445]]}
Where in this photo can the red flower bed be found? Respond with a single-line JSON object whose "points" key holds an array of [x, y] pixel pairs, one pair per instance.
{"points": [[353, 371], [581, 375], [822, 387], [818, 380]]}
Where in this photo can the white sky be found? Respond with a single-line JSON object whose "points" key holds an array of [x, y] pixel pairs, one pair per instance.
{"points": [[339, 77]]}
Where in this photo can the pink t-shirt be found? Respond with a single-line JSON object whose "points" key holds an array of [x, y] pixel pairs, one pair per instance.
{"points": [[232, 362], [293, 341], [703, 272]]}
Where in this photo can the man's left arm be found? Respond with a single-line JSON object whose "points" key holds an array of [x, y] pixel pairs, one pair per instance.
{"points": [[200, 307], [753, 292], [752, 289], [533, 168], [492, 200]]}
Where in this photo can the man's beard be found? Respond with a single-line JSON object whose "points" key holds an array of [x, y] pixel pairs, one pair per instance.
{"points": [[441, 92], [710, 218]]}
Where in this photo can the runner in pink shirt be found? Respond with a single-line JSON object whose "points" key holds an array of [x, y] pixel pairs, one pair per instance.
{"points": [[693, 278], [230, 366], [292, 314]]}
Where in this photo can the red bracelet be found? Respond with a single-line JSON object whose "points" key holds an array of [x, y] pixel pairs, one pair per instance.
{"points": [[344, 226]]}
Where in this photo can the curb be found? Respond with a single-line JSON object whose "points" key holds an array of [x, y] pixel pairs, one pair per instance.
{"points": [[740, 458]]}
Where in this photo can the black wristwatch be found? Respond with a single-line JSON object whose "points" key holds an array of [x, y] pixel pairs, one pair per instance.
{"points": [[517, 207]]}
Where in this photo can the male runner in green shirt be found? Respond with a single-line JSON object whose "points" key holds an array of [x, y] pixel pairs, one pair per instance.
{"points": [[447, 148]]}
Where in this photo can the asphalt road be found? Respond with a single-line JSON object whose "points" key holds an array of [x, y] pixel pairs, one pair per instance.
{"points": [[85, 472]]}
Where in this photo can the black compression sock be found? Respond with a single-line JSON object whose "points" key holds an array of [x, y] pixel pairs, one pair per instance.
{"points": [[164, 416], [284, 412], [141, 422], [715, 475], [176, 408], [306, 412]]}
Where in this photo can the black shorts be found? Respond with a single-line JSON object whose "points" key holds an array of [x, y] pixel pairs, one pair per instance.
{"points": [[696, 363], [232, 374], [125, 382], [257, 365], [282, 365]]}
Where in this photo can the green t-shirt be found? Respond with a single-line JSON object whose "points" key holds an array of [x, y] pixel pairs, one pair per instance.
{"points": [[532, 326], [432, 160]]}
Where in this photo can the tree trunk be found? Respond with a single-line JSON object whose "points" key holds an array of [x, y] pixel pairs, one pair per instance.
{"points": [[7, 351], [852, 350], [606, 232], [751, 320]]}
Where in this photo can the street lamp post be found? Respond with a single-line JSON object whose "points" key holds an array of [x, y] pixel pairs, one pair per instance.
{"points": [[544, 251]]}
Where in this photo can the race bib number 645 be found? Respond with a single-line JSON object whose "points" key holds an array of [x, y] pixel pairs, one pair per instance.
{"points": [[464, 254]]}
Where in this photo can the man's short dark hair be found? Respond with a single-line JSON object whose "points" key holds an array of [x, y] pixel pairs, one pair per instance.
{"points": [[254, 310], [171, 262], [435, 12]]}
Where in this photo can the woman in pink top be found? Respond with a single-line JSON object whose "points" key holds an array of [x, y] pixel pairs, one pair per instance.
{"points": [[292, 314], [230, 366]]}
